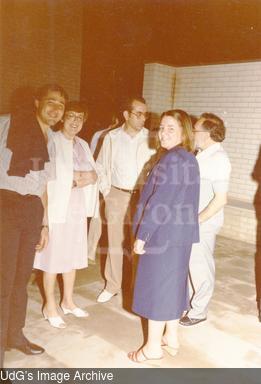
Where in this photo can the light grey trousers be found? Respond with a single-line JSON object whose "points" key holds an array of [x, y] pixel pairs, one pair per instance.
{"points": [[202, 274]]}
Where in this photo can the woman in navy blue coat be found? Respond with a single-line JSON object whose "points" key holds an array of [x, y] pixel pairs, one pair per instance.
{"points": [[166, 226]]}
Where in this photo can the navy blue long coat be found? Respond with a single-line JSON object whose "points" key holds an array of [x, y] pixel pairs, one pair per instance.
{"points": [[167, 220]]}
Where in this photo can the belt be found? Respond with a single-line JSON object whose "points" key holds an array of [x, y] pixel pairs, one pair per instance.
{"points": [[131, 191], [16, 194]]}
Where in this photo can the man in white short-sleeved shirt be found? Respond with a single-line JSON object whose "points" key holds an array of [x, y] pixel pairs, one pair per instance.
{"points": [[215, 171]]}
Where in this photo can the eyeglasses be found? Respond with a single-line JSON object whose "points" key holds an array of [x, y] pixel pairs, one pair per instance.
{"points": [[196, 130], [139, 115], [74, 116]]}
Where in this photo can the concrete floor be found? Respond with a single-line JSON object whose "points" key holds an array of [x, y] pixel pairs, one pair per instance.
{"points": [[230, 337]]}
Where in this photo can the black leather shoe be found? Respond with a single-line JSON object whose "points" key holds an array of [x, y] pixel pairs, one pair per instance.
{"points": [[187, 321], [27, 348]]}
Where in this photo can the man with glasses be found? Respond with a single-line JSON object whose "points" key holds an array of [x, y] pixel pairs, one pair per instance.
{"points": [[121, 163], [215, 171]]}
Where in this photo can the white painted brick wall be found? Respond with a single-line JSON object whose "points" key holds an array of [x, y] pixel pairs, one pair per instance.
{"points": [[239, 224], [158, 88], [233, 92]]}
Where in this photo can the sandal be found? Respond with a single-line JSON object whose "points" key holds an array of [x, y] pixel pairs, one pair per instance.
{"points": [[133, 356], [170, 350]]}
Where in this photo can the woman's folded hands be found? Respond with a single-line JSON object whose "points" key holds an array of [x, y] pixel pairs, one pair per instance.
{"points": [[84, 178]]}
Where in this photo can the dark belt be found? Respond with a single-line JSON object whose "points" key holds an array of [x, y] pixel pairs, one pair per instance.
{"points": [[131, 191], [16, 194]]}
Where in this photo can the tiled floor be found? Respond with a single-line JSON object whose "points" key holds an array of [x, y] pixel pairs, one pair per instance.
{"points": [[231, 337]]}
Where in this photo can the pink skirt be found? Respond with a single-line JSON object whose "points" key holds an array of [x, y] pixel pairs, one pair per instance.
{"points": [[67, 247]]}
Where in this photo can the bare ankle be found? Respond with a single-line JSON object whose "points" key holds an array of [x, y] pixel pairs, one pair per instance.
{"points": [[51, 310], [171, 341], [153, 349], [68, 304]]}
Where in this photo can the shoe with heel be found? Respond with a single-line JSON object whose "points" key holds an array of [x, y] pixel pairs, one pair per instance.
{"points": [[77, 312], [54, 321]]}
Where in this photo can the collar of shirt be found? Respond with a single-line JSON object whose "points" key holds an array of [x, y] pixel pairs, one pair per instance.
{"points": [[141, 133], [208, 151]]}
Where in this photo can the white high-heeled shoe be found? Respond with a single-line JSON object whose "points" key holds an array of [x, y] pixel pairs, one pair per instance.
{"points": [[77, 312], [55, 321]]}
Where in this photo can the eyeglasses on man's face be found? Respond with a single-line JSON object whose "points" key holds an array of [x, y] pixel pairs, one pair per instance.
{"points": [[74, 116], [139, 115], [198, 130]]}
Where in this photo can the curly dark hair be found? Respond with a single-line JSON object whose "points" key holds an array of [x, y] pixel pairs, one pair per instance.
{"points": [[214, 125], [77, 106]]}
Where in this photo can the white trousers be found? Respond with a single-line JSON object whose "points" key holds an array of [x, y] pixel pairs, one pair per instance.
{"points": [[202, 274]]}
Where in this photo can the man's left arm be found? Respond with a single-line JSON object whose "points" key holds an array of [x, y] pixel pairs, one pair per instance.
{"points": [[215, 205], [220, 184], [44, 236], [47, 174]]}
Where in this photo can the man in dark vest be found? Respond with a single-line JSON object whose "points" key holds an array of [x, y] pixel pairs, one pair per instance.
{"points": [[26, 164]]}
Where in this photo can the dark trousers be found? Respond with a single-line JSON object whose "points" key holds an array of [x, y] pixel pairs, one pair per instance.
{"points": [[258, 264], [20, 226], [258, 246]]}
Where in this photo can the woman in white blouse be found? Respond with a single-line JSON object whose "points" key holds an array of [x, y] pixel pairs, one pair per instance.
{"points": [[72, 197]]}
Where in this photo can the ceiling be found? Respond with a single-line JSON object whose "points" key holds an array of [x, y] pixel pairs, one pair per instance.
{"points": [[179, 32], [119, 36]]}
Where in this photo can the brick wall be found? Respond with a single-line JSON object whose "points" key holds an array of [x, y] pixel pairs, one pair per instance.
{"points": [[41, 42], [158, 87], [232, 91], [239, 223]]}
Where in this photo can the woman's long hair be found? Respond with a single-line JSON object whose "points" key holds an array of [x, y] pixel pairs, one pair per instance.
{"points": [[185, 123]]}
